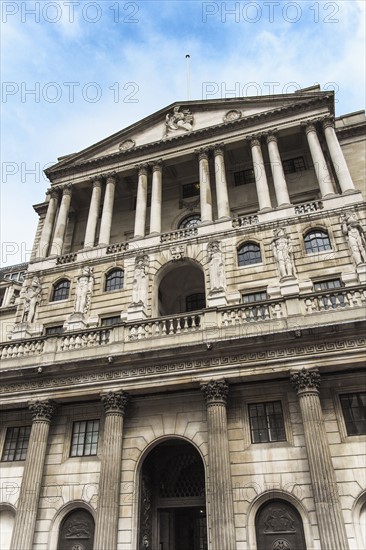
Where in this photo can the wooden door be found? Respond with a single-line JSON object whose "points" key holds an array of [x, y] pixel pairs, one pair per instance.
{"points": [[279, 527]]}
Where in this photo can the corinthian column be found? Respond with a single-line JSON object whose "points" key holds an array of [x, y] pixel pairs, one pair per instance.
{"points": [[61, 223], [107, 213], [222, 197], [141, 202], [110, 471], [278, 175], [320, 166], [220, 489], [336, 154], [25, 519], [328, 509], [49, 221], [91, 225], [205, 188], [156, 192], [261, 183]]}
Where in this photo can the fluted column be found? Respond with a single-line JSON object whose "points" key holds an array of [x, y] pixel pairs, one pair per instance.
{"points": [[219, 491], [107, 213], [261, 182], [205, 188], [91, 225], [279, 180], [320, 165], [336, 154], [222, 197], [106, 528], [156, 197], [26, 515], [141, 201], [49, 221], [61, 223], [328, 509]]}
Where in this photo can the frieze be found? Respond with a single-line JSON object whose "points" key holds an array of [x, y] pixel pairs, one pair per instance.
{"points": [[247, 359]]}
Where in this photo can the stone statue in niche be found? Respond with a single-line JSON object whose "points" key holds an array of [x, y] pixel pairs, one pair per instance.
{"points": [[353, 230], [84, 290], [140, 280], [283, 254], [179, 120], [32, 300], [216, 267]]}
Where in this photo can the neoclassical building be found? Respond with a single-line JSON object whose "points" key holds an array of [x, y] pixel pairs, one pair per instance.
{"points": [[181, 359]]}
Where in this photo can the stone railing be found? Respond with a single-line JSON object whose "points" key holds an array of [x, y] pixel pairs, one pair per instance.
{"points": [[174, 324], [66, 259], [115, 248], [179, 234], [252, 313], [87, 339], [307, 207], [243, 221], [21, 349], [335, 299]]}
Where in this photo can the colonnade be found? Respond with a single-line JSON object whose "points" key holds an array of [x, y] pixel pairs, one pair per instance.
{"points": [[219, 494], [55, 223]]}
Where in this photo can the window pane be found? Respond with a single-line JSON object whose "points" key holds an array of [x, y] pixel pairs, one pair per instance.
{"points": [[85, 438], [16, 443], [354, 412], [114, 280], [61, 291], [317, 241], [249, 254], [190, 221], [266, 422]]}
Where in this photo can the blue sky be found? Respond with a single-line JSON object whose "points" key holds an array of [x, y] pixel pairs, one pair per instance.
{"points": [[96, 67]]}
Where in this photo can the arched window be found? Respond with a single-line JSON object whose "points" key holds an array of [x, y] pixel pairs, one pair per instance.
{"points": [[114, 280], [248, 254], [190, 221], [60, 290], [317, 240]]}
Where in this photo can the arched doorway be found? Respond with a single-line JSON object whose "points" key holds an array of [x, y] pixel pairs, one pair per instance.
{"points": [[278, 526], [7, 517], [182, 289], [172, 498], [77, 531]]}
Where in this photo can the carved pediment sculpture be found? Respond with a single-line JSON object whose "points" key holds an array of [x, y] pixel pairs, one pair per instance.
{"points": [[179, 120]]}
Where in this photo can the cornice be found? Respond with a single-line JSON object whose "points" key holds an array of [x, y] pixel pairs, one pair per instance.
{"points": [[351, 131], [191, 137]]}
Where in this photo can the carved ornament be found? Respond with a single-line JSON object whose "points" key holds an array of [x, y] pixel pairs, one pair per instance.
{"points": [[305, 380], [232, 115], [177, 252], [215, 392], [127, 145], [115, 402], [42, 410]]}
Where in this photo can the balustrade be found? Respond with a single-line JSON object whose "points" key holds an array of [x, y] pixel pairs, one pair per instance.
{"points": [[83, 340]]}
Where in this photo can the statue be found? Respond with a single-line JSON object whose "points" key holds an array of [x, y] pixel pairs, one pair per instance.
{"points": [[84, 289], [140, 280], [32, 299], [352, 228], [283, 254], [179, 120], [216, 266]]}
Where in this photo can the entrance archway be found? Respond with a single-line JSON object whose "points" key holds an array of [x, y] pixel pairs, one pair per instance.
{"points": [[278, 526], [182, 289], [77, 531], [172, 498]]}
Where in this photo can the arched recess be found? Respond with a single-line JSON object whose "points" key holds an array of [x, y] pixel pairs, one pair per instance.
{"points": [[283, 497], [61, 517], [359, 520], [171, 504], [7, 518], [180, 287]]}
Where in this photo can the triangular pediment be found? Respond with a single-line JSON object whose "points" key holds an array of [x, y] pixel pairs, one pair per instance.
{"points": [[187, 118]]}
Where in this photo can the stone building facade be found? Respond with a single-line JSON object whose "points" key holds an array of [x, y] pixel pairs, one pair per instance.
{"points": [[182, 365]]}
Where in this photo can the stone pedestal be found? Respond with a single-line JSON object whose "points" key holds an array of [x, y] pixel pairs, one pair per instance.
{"points": [[26, 330], [76, 321], [289, 286], [219, 492], [350, 278], [106, 527], [216, 298], [25, 519], [136, 312], [328, 509], [361, 272]]}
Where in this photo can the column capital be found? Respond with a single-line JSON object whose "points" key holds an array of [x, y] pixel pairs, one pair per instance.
{"points": [[111, 177], [66, 189], [272, 136], [157, 165], [42, 411], [218, 149], [309, 126], [203, 153], [53, 192], [328, 122], [96, 181], [306, 380], [254, 140], [142, 168], [215, 392], [115, 402]]}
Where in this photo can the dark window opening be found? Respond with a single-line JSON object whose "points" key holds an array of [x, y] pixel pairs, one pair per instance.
{"points": [[354, 412], [190, 190], [249, 254], [317, 241], [195, 302], [61, 291], [16, 443], [244, 177], [114, 280], [266, 422], [85, 438], [291, 166]]}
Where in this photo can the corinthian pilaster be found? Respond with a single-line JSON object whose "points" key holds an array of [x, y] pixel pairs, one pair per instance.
{"points": [[328, 509], [25, 519], [219, 492], [106, 528]]}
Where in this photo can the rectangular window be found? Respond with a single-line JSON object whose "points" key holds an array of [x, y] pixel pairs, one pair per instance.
{"points": [[254, 297], [291, 166], [354, 412], [84, 438], [110, 321], [54, 330], [190, 190], [330, 300], [266, 422], [244, 177], [16, 443], [327, 285]]}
